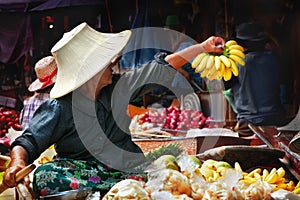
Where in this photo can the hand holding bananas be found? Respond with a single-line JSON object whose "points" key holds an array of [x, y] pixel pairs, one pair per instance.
{"points": [[217, 66], [213, 45]]}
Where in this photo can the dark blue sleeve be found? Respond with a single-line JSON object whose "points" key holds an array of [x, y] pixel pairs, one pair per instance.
{"points": [[42, 131]]}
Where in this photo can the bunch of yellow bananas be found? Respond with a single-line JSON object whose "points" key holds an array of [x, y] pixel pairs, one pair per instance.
{"points": [[275, 178], [213, 66]]}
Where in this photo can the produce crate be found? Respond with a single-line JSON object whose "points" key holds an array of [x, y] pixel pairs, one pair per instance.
{"points": [[188, 145], [196, 145]]}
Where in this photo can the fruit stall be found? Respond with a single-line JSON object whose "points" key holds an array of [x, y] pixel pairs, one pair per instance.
{"points": [[227, 165]]}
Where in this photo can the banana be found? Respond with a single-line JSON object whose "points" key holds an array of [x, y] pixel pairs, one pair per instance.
{"points": [[216, 175], [222, 169], [272, 177], [236, 46], [237, 53], [257, 170], [257, 176], [265, 174], [225, 60], [280, 172], [296, 191], [217, 62], [234, 68], [204, 73], [230, 42], [222, 69], [227, 74], [237, 59], [281, 186], [206, 172], [298, 185], [290, 186], [210, 62], [249, 180], [237, 167], [198, 59], [212, 74], [202, 64]]}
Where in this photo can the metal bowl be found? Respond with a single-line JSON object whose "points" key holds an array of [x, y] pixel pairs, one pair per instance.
{"points": [[79, 194]]}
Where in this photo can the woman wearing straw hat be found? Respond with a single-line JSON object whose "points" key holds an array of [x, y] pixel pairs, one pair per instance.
{"points": [[86, 118], [46, 71]]}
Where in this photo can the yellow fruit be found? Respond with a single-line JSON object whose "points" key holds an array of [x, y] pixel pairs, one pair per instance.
{"points": [[195, 160], [202, 64], [222, 164], [236, 46], [210, 62], [237, 53], [234, 68], [290, 186], [237, 59], [296, 191], [222, 69], [227, 74], [172, 165], [230, 43], [272, 177], [214, 75], [225, 60], [216, 175], [204, 73], [237, 167], [217, 62], [298, 185], [280, 172], [206, 171], [257, 170], [198, 59], [249, 180], [257, 176], [265, 174]]}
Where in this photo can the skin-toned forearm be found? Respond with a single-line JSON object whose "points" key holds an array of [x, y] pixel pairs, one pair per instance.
{"points": [[178, 59], [19, 156], [19, 159]]}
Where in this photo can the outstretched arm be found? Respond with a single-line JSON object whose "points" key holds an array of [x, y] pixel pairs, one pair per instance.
{"points": [[212, 45]]}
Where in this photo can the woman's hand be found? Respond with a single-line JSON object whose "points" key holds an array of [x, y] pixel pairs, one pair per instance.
{"points": [[9, 177], [19, 157], [214, 45]]}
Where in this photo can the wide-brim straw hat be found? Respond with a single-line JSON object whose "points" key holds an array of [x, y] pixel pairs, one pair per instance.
{"points": [[46, 72], [82, 53]]}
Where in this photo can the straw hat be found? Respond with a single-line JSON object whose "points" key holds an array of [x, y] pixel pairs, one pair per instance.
{"points": [[82, 53], [46, 70]]}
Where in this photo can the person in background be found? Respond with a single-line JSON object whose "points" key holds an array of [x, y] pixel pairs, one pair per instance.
{"points": [[46, 71], [255, 91], [86, 116]]}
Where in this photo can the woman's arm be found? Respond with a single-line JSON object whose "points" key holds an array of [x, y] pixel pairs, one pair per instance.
{"points": [[212, 45], [19, 159]]}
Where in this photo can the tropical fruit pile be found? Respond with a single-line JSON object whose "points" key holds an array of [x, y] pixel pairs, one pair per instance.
{"points": [[186, 177], [214, 66]]}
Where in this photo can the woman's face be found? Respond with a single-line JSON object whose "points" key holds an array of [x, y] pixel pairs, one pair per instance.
{"points": [[105, 78]]}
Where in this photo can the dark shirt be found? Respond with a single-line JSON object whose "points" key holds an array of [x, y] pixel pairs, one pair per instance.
{"points": [[73, 123], [256, 91]]}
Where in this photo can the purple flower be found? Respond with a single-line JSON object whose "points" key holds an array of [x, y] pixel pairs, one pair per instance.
{"points": [[94, 179]]}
